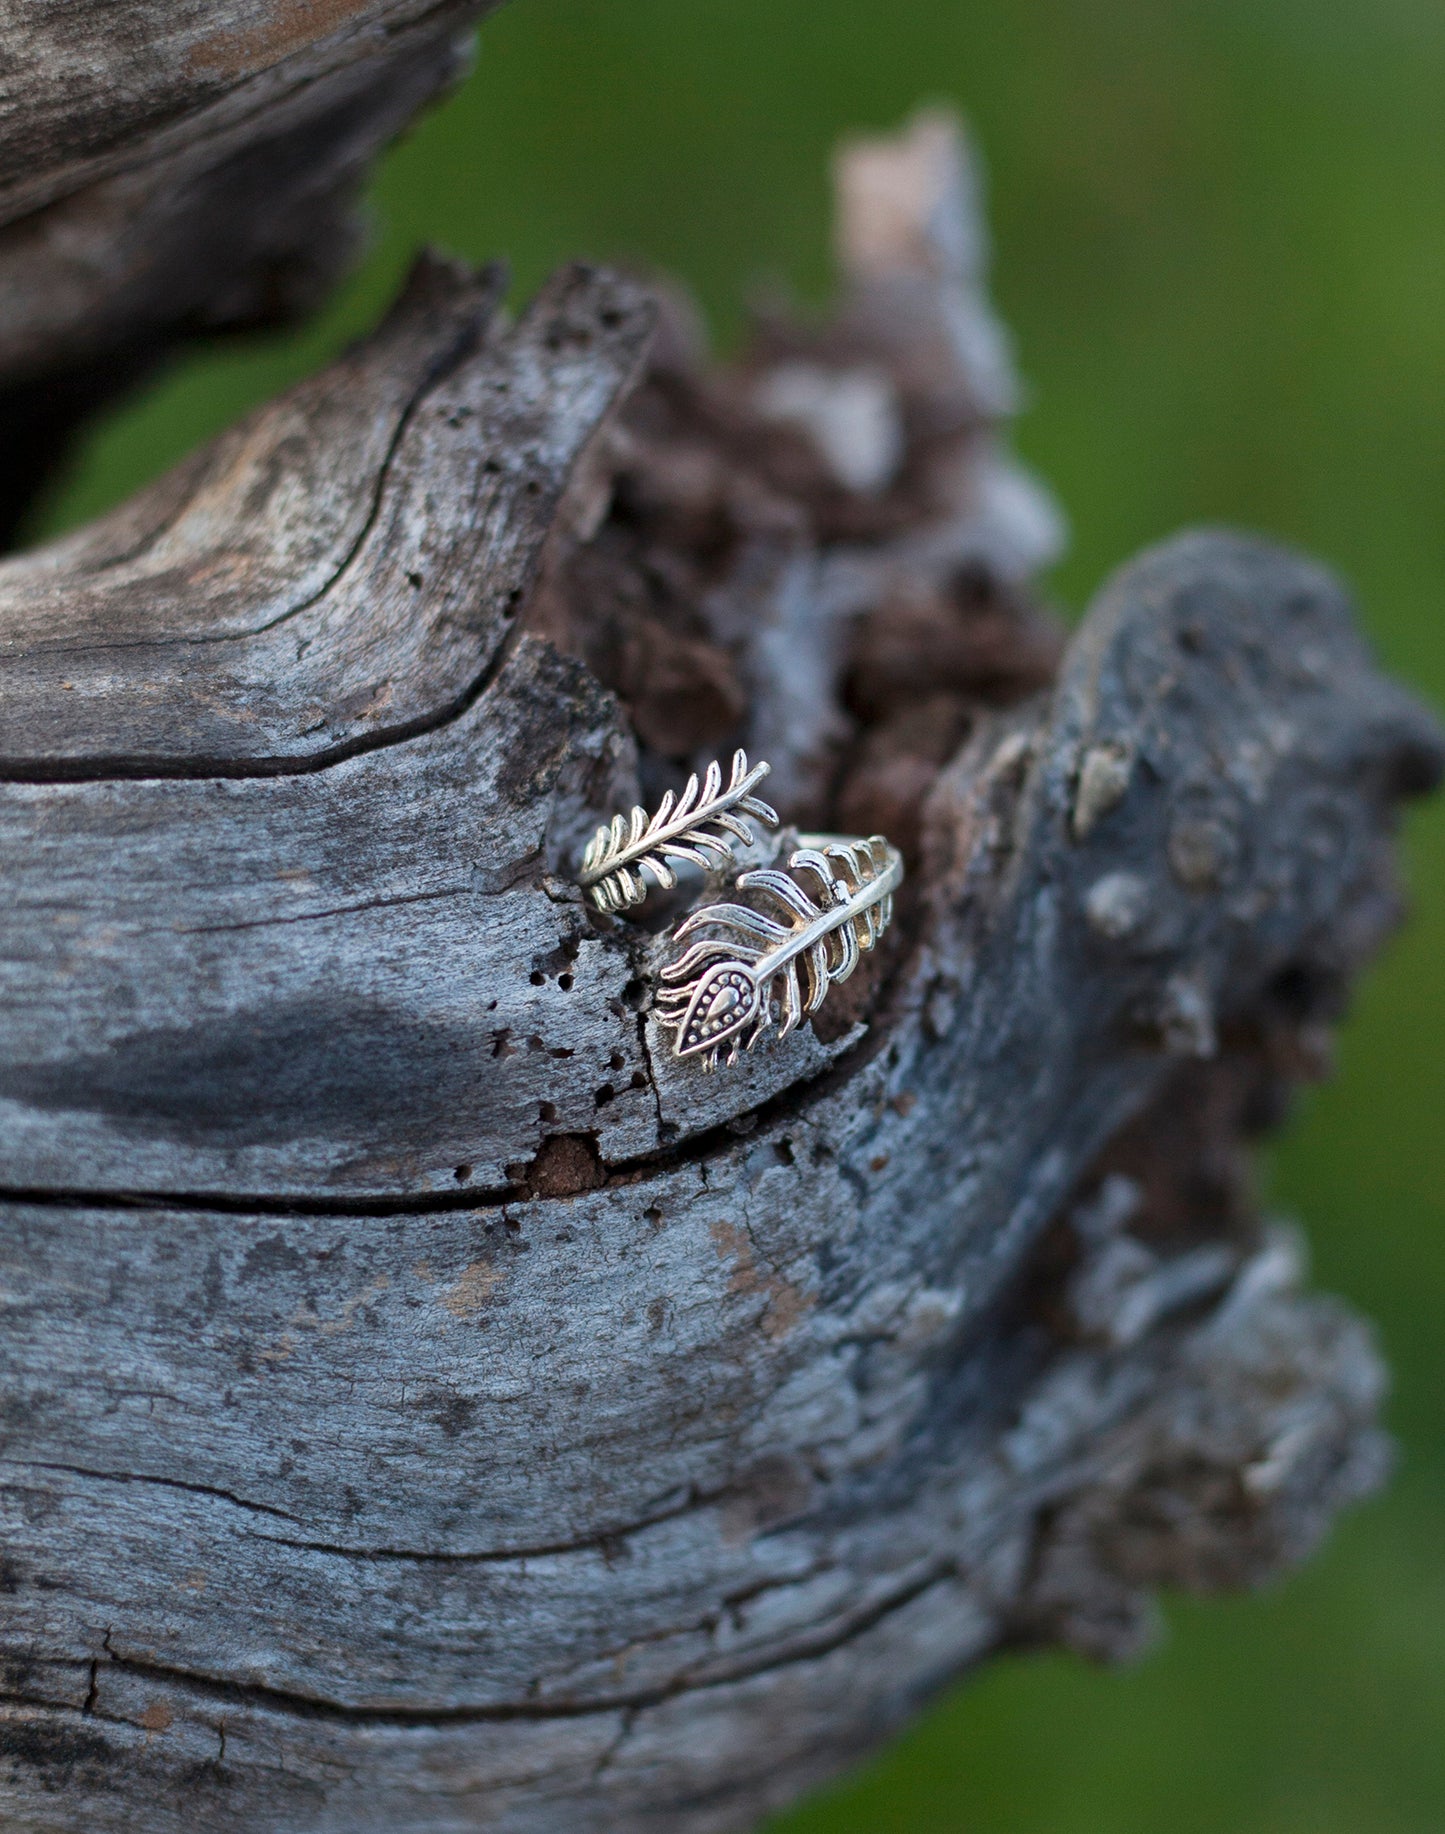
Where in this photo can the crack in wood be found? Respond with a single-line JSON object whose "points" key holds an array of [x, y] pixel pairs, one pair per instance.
{"points": [[146, 1477], [304, 1706]]}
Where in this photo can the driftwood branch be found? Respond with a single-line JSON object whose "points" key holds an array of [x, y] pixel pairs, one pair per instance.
{"points": [[426, 1403]]}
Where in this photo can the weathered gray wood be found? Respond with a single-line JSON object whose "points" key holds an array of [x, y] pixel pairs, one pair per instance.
{"points": [[168, 171], [272, 610], [882, 1520], [777, 1407], [374, 979], [91, 91], [424, 1403]]}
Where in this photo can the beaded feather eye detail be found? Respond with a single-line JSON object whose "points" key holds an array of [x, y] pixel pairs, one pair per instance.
{"points": [[752, 966], [751, 969]]}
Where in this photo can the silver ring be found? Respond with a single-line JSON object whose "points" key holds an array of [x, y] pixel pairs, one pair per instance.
{"points": [[701, 826], [723, 993]]}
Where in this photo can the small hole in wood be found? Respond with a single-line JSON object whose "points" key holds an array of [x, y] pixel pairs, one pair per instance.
{"points": [[462, 1174], [537, 978], [547, 1111], [616, 1061], [605, 1095], [564, 981]]}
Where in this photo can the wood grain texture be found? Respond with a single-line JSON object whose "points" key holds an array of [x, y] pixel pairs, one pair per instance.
{"points": [[340, 570], [426, 1404], [750, 1404], [170, 171], [91, 91]]}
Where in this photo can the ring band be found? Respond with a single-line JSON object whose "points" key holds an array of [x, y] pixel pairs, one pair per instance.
{"points": [[702, 822], [727, 989]]}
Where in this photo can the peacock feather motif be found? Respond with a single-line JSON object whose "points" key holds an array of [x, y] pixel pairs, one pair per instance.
{"points": [[704, 821], [751, 969]]}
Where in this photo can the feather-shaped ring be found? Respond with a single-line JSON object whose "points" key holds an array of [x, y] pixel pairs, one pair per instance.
{"points": [[700, 826], [751, 968]]}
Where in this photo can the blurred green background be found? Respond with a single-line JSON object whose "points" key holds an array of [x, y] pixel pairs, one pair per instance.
{"points": [[1220, 234]]}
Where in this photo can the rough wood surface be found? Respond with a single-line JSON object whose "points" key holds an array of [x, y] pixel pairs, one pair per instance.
{"points": [[339, 571], [426, 1405], [172, 170]]}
